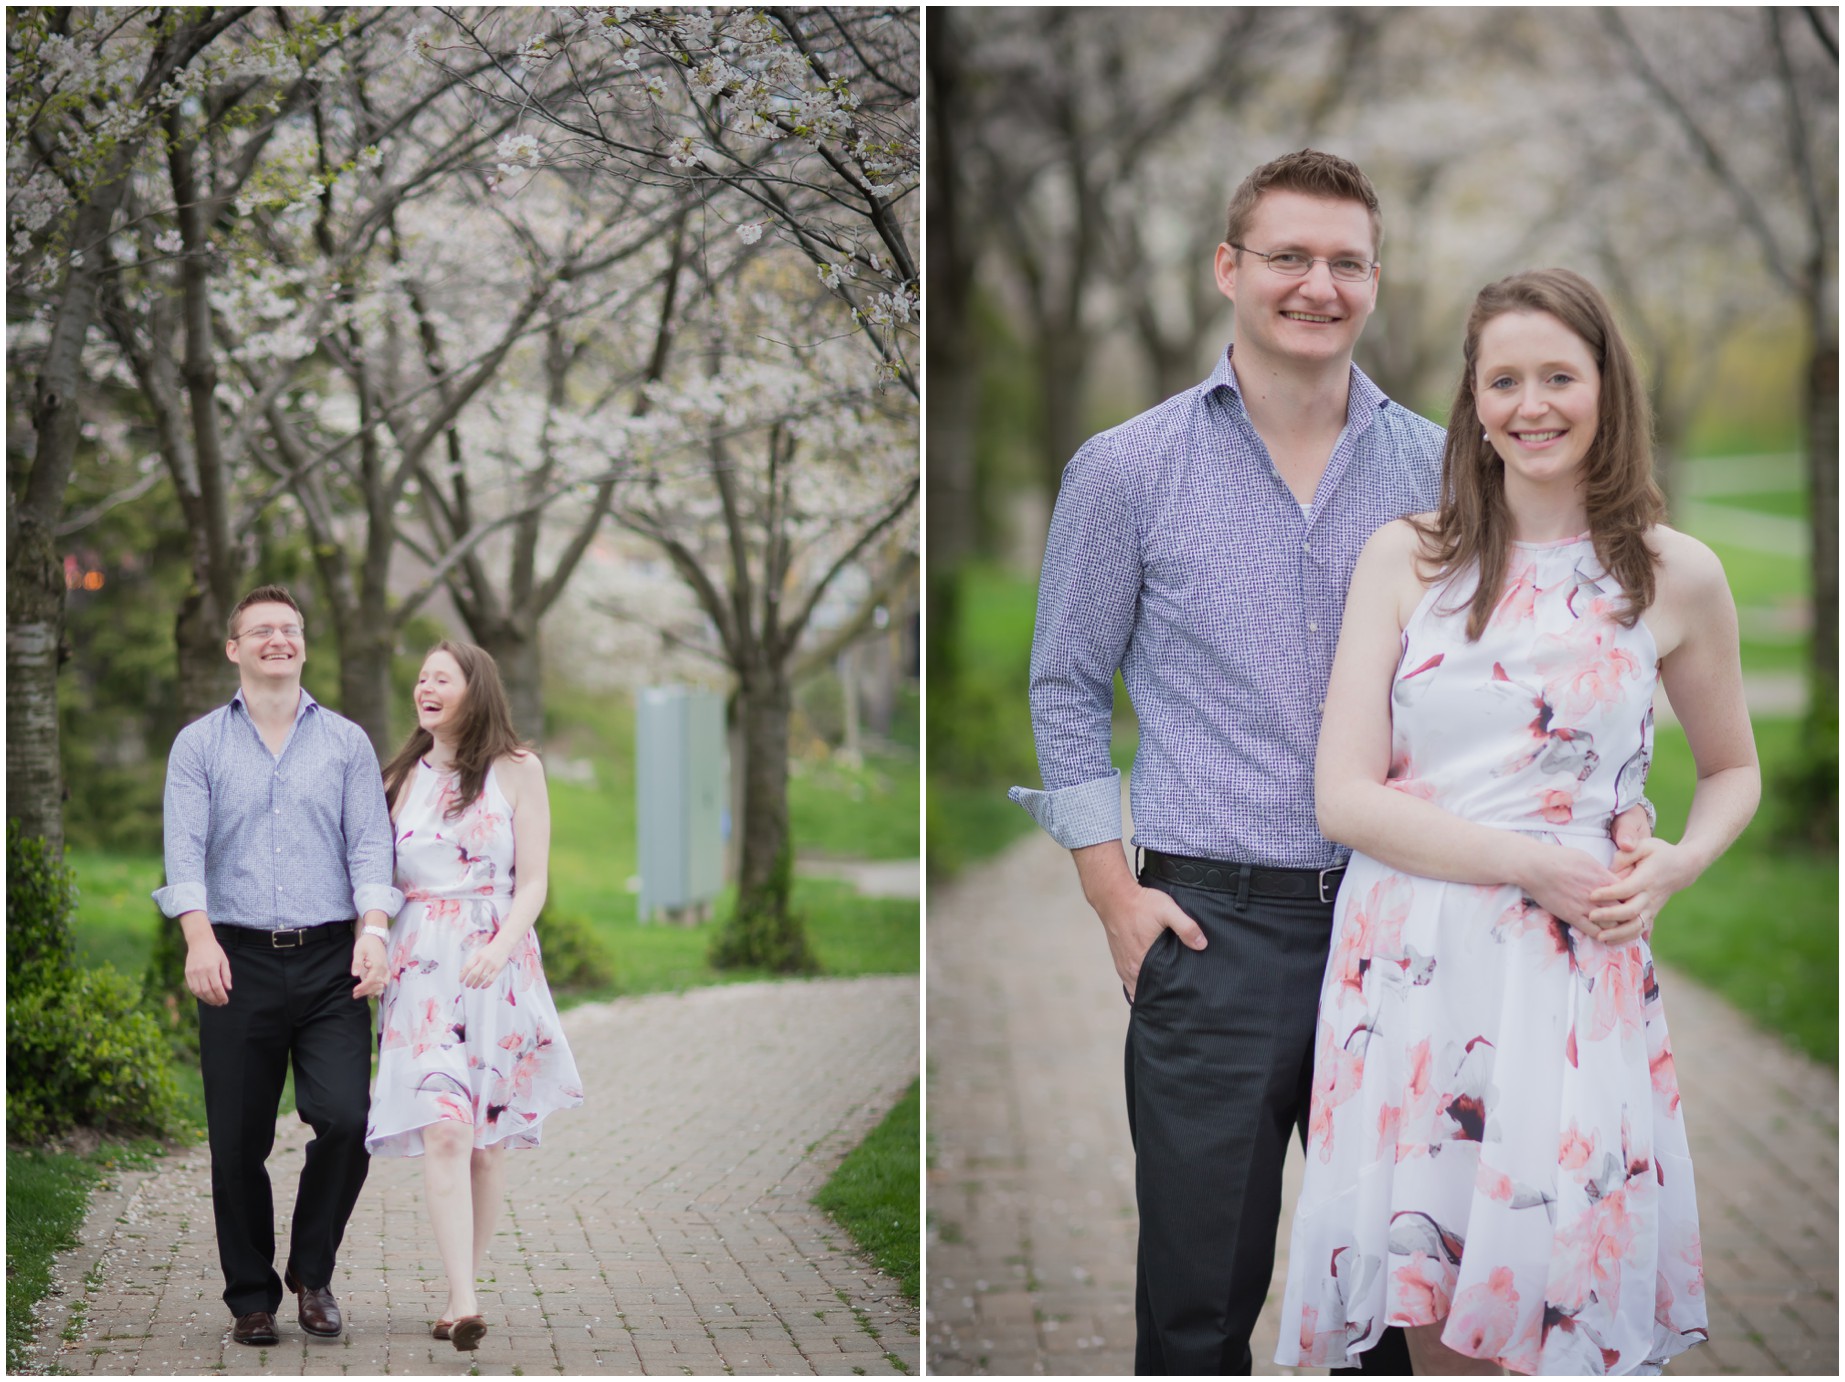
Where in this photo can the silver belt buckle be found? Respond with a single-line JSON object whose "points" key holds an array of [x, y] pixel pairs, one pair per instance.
{"points": [[275, 938], [1323, 872]]}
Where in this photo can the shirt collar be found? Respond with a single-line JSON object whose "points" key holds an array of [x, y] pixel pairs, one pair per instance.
{"points": [[306, 703], [1363, 400]]}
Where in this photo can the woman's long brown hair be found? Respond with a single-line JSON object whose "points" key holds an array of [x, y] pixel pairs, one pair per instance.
{"points": [[1472, 525], [486, 729]]}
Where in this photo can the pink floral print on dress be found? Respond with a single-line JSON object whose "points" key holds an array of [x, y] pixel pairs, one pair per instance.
{"points": [[1496, 1137], [493, 1057]]}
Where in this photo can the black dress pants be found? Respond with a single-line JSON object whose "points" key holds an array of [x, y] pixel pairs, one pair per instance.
{"points": [[1219, 1075], [299, 1003]]}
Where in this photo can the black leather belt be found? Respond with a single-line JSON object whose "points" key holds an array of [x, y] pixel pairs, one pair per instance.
{"points": [[288, 938], [1216, 876]]}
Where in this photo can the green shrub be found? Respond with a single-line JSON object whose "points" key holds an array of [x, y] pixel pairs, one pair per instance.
{"points": [[574, 955], [164, 993], [40, 895], [80, 1050]]}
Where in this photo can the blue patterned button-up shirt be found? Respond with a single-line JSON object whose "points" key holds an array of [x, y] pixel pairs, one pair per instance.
{"points": [[1178, 554], [273, 840]]}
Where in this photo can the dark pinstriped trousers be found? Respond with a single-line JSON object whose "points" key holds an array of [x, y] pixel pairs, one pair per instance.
{"points": [[1219, 1075]]}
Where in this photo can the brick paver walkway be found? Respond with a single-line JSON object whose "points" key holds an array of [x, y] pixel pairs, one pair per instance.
{"points": [[1031, 1189], [664, 1227]]}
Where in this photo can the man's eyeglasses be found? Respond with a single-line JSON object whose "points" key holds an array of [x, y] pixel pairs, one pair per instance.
{"points": [[261, 631], [1294, 264]]}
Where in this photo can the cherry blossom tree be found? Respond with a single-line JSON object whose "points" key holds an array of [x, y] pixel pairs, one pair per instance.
{"points": [[765, 481], [87, 94], [807, 118]]}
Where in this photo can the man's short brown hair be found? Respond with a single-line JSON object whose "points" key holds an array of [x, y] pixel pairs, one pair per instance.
{"points": [[262, 595], [1312, 174]]}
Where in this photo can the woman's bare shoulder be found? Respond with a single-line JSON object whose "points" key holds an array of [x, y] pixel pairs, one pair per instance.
{"points": [[1687, 568], [520, 771]]}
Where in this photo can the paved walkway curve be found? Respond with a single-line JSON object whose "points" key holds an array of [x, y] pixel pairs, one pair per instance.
{"points": [[664, 1227], [1031, 1189]]}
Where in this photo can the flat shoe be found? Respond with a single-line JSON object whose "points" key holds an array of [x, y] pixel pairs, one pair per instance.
{"points": [[440, 1329], [467, 1332]]}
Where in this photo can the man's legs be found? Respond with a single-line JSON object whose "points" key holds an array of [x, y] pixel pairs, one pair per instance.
{"points": [[333, 1044], [1214, 1053], [243, 1056]]}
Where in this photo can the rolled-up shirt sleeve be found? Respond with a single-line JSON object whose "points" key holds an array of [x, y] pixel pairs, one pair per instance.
{"points": [[1087, 598], [186, 824], [370, 855]]}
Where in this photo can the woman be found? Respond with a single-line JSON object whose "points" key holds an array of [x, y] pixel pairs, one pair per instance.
{"points": [[1495, 1157], [471, 1057]]}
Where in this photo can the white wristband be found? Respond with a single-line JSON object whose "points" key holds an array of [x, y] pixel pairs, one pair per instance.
{"points": [[379, 932]]}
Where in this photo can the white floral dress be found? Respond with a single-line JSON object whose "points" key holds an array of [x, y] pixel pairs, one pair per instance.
{"points": [[1495, 1135], [494, 1057]]}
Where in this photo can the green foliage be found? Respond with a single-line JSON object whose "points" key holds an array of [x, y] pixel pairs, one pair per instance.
{"points": [[877, 1193], [763, 930], [980, 721], [81, 1051], [41, 893], [574, 955]]}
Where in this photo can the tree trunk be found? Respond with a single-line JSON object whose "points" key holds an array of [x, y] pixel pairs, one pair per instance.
{"points": [[765, 932], [1063, 369], [35, 576], [34, 638], [207, 678], [365, 683], [516, 648], [1823, 490]]}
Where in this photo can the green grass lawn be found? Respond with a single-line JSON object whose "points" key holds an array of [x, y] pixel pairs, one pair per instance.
{"points": [[1782, 503], [846, 811], [46, 1196], [1761, 926], [876, 1193]]}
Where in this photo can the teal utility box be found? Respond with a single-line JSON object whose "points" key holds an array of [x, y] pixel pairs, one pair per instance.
{"points": [[681, 777]]}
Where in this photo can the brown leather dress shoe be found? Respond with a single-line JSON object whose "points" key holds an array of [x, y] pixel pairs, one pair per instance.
{"points": [[256, 1328], [319, 1311]]}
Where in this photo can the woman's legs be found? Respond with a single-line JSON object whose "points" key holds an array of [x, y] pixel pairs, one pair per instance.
{"points": [[1432, 1358], [446, 1155], [489, 1183]]}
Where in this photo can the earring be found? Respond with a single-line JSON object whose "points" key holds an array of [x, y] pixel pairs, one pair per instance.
{"points": [[1484, 436]]}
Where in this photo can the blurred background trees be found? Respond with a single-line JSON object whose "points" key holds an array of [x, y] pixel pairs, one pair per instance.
{"points": [[1081, 162], [1686, 160], [443, 317]]}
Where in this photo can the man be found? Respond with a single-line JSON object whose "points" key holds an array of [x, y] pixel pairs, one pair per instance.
{"points": [[278, 853], [1204, 549]]}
